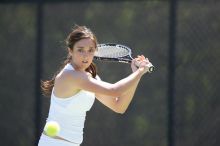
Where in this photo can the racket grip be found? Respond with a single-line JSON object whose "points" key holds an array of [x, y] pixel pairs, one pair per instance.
{"points": [[151, 68]]}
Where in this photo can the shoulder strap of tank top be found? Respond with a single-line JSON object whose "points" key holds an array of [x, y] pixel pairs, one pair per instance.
{"points": [[68, 67]]}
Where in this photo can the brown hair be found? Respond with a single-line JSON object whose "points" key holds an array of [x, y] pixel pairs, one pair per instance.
{"points": [[78, 33]]}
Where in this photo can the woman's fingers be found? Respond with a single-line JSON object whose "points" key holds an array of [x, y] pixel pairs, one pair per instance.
{"points": [[141, 58], [134, 67], [142, 62]]}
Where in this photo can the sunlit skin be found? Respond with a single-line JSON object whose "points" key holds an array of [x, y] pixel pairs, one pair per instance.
{"points": [[82, 54]]}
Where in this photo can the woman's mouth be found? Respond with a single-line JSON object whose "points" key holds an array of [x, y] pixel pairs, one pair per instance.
{"points": [[84, 61]]}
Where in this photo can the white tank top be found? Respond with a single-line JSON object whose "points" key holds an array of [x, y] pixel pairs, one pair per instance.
{"points": [[70, 113]]}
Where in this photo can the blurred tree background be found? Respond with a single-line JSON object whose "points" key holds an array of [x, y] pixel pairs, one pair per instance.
{"points": [[142, 25]]}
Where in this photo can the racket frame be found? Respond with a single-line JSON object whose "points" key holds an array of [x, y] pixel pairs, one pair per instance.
{"points": [[123, 59]]}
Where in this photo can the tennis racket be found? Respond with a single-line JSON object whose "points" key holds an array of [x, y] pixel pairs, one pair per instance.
{"points": [[116, 53]]}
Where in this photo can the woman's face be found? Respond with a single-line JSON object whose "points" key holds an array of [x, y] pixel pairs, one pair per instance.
{"points": [[83, 53]]}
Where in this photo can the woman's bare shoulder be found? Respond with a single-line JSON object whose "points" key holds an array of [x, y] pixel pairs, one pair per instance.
{"points": [[66, 83], [71, 78]]}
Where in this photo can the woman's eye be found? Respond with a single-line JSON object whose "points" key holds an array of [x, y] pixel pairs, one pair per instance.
{"points": [[80, 50], [91, 50]]}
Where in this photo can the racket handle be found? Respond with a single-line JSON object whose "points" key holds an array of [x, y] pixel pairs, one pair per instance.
{"points": [[151, 68]]}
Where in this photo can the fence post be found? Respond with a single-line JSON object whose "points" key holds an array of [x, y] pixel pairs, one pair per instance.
{"points": [[171, 73], [38, 70]]}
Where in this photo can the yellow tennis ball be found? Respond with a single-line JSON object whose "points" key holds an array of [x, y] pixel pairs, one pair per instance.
{"points": [[52, 128]]}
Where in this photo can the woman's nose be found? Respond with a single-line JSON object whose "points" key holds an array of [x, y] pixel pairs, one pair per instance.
{"points": [[85, 54]]}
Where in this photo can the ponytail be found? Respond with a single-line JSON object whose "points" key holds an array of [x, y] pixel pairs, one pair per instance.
{"points": [[47, 87], [92, 70]]}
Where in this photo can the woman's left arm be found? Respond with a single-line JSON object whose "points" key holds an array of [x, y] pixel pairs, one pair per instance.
{"points": [[120, 104]]}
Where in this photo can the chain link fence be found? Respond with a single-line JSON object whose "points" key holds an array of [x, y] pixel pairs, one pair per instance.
{"points": [[142, 25]]}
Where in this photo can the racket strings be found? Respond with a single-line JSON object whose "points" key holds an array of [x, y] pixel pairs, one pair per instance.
{"points": [[112, 51]]}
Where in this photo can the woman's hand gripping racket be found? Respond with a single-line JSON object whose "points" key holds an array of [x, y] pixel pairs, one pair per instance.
{"points": [[116, 53]]}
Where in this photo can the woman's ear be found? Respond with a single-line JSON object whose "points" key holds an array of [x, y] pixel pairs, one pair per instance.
{"points": [[69, 51]]}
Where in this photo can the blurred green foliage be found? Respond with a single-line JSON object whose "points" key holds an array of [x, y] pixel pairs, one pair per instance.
{"points": [[144, 26]]}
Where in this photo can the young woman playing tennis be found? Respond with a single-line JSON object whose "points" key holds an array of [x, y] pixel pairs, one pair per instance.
{"points": [[74, 89]]}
